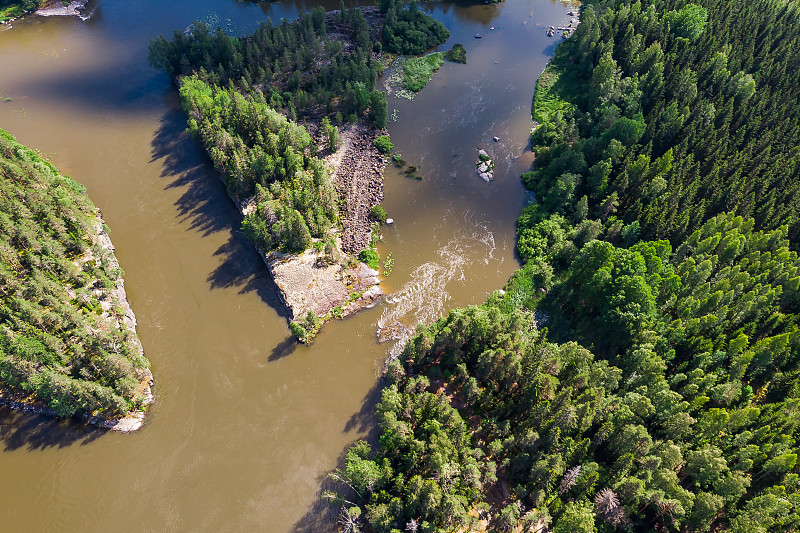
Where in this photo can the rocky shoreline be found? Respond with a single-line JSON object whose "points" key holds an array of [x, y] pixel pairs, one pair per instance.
{"points": [[57, 9], [144, 395], [358, 176], [51, 8]]}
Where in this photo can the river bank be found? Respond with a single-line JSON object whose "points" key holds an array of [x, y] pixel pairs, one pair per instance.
{"points": [[310, 281], [332, 284]]}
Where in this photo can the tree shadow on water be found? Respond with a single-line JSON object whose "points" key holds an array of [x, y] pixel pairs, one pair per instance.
{"points": [[39, 432], [321, 516], [364, 421], [205, 206], [284, 348], [204, 203]]}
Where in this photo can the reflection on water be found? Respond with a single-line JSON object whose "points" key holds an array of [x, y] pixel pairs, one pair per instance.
{"points": [[247, 423]]}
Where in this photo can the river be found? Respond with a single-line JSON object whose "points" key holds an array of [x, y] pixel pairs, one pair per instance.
{"points": [[246, 422]]}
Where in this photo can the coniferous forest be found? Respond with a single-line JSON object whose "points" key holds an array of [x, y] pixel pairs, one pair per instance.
{"points": [[63, 341], [640, 371], [244, 96]]}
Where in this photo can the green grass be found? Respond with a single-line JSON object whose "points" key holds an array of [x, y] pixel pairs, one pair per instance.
{"points": [[557, 88], [417, 71]]}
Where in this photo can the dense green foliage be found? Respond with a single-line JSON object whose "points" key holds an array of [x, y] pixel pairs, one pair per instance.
{"points": [[379, 214], [58, 345], [682, 112], [663, 393], [417, 71], [409, 31], [243, 96], [267, 157], [457, 54], [370, 257], [303, 67], [14, 8], [685, 416], [383, 143]]}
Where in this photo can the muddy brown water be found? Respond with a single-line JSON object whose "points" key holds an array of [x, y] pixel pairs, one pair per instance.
{"points": [[246, 423]]}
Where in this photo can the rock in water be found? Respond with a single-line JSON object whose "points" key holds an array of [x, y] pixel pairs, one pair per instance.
{"points": [[485, 166]]}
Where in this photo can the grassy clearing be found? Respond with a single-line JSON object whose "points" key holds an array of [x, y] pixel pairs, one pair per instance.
{"points": [[417, 71], [556, 89]]}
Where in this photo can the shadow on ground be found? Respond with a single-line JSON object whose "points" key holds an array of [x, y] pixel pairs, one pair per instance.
{"points": [[205, 207], [39, 432]]}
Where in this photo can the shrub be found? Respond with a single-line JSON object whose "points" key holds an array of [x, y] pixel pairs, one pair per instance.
{"points": [[298, 330], [417, 71], [383, 144], [379, 213], [370, 258], [457, 54]]}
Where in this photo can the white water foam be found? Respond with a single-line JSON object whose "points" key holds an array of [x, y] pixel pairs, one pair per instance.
{"points": [[87, 16], [423, 299]]}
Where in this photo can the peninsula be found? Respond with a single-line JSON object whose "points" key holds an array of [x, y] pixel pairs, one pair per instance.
{"points": [[68, 343], [289, 116]]}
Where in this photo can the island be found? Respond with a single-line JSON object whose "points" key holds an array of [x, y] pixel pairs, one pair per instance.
{"points": [[68, 343]]}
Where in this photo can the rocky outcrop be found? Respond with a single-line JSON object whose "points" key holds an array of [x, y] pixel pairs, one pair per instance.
{"points": [[358, 177], [306, 283], [58, 9], [144, 394], [485, 166]]}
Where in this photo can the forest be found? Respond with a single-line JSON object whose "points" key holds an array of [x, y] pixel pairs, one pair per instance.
{"points": [[63, 343], [409, 31], [668, 114], [244, 96], [263, 156], [640, 371], [303, 68]]}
